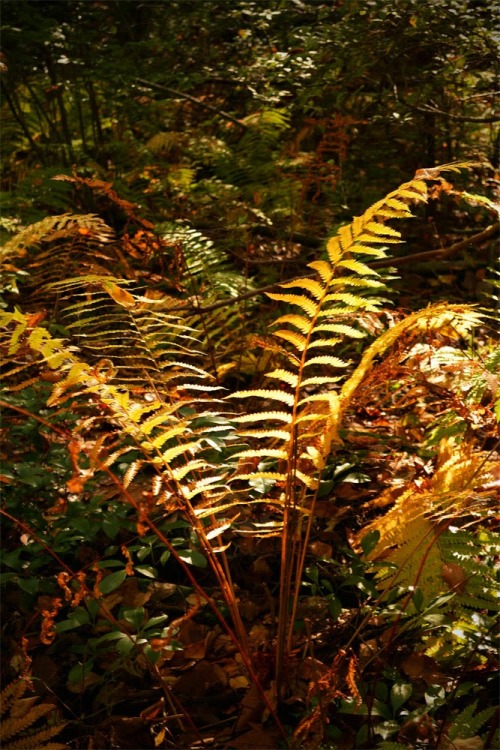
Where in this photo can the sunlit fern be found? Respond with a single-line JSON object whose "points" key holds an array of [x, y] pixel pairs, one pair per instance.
{"points": [[289, 445], [174, 428], [296, 437], [106, 321], [69, 228], [433, 540], [20, 725], [211, 278]]}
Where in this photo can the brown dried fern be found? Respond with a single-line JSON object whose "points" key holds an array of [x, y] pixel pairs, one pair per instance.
{"points": [[19, 714]]}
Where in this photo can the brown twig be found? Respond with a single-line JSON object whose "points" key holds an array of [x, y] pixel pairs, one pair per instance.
{"points": [[460, 118], [440, 252], [199, 102], [383, 263]]}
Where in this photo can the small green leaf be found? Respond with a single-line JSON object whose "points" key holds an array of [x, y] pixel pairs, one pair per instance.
{"points": [[143, 552], [418, 599], [70, 624], [334, 606], [153, 621], [193, 557], [115, 635], [370, 541], [146, 570], [164, 557], [111, 526], [151, 654], [111, 582], [103, 564], [400, 693], [124, 644], [134, 616], [30, 585], [80, 671]]}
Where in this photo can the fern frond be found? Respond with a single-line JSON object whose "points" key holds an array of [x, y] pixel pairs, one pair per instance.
{"points": [[270, 453], [327, 297], [326, 360], [303, 324], [340, 328], [261, 434], [18, 714], [292, 337], [56, 228], [469, 723], [295, 299], [274, 395], [264, 416], [286, 376]]}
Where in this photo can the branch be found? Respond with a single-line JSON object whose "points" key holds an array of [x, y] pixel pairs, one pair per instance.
{"points": [[182, 95], [461, 118], [439, 253], [384, 263]]}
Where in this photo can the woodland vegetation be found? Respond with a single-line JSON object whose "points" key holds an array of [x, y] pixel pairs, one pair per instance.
{"points": [[250, 413]]}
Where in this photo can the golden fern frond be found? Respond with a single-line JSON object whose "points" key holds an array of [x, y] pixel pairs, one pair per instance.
{"points": [[318, 306], [52, 228], [144, 343], [171, 441], [19, 714], [415, 544]]}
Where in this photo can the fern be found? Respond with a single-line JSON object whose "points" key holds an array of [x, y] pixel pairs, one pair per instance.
{"points": [[127, 339], [56, 228], [105, 320], [18, 714], [251, 166], [173, 428], [211, 277], [469, 723], [323, 308], [414, 542]]}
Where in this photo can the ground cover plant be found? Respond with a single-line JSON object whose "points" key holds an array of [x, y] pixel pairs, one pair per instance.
{"points": [[249, 404], [175, 535]]}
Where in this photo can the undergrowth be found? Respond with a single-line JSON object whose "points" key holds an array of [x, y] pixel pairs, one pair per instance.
{"points": [[280, 548]]}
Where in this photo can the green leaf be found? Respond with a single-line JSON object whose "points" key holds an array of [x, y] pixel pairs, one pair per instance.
{"points": [[146, 570], [30, 585], [111, 582], [153, 621], [143, 552], [134, 616], [80, 671], [151, 654], [71, 623], [193, 557], [111, 526], [418, 599], [124, 644], [103, 564], [370, 541], [400, 693], [115, 635], [334, 606]]}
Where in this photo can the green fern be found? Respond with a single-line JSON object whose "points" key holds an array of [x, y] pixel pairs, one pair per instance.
{"points": [[212, 278], [252, 164], [468, 723]]}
